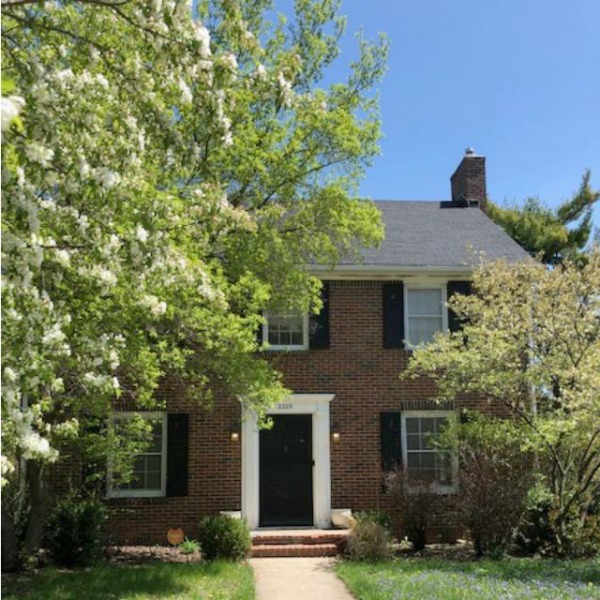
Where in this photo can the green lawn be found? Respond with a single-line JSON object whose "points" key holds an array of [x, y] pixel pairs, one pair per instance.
{"points": [[215, 581], [434, 579]]}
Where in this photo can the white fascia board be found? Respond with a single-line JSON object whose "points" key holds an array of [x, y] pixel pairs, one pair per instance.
{"points": [[389, 272]]}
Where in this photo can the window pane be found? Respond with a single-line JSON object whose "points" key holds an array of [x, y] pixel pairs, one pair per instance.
{"points": [[412, 425], [428, 460], [153, 463], [427, 425], [413, 442], [153, 481], [424, 302], [422, 329], [137, 483]]}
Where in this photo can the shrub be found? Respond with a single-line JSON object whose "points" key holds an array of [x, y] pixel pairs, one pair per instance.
{"points": [[73, 531], [224, 537], [417, 501], [377, 516], [189, 546], [495, 476], [369, 540], [538, 533]]}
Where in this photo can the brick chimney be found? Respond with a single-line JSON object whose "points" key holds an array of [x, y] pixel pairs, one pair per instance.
{"points": [[468, 181]]}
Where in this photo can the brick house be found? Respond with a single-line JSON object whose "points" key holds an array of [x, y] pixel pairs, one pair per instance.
{"points": [[349, 414]]}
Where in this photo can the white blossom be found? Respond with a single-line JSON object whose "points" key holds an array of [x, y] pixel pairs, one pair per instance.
{"points": [[10, 374], [229, 61], [261, 72], [34, 446], [285, 89], [186, 92], [107, 277], [141, 234], [10, 108], [39, 154], [157, 307], [106, 177], [202, 35]]}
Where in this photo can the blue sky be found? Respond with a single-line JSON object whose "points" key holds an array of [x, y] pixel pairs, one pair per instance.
{"points": [[518, 80]]}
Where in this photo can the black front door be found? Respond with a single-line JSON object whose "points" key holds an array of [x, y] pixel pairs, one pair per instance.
{"points": [[286, 467]]}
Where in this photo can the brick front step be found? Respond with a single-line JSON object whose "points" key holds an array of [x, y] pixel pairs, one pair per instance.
{"points": [[289, 550], [300, 542]]}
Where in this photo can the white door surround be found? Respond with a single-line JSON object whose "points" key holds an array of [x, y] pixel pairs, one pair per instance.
{"points": [[316, 405]]}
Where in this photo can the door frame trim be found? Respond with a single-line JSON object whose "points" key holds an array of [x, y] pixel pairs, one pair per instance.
{"points": [[316, 405]]}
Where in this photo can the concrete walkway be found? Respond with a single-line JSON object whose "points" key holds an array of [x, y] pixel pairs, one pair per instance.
{"points": [[297, 579]]}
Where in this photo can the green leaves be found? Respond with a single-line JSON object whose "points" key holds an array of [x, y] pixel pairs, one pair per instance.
{"points": [[553, 235]]}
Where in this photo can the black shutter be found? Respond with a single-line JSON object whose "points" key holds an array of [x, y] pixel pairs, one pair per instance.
{"points": [[318, 325], [259, 335], [456, 287], [177, 455], [391, 446], [393, 315]]}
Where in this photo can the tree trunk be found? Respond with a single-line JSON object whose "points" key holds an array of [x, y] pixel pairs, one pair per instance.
{"points": [[10, 544], [39, 506]]}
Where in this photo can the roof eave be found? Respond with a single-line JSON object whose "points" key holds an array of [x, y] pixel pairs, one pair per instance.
{"points": [[390, 272]]}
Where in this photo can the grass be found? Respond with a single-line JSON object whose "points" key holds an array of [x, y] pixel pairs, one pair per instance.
{"points": [[434, 579], [202, 581]]}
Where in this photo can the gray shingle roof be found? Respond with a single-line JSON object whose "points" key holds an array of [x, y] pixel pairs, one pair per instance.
{"points": [[433, 234]]}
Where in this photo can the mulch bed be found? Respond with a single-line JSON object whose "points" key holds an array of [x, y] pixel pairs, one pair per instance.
{"points": [[139, 554]]}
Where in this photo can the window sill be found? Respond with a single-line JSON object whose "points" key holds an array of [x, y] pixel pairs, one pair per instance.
{"points": [[287, 349]]}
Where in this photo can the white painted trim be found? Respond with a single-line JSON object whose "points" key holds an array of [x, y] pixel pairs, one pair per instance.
{"points": [[440, 489], [316, 405], [115, 493], [390, 272]]}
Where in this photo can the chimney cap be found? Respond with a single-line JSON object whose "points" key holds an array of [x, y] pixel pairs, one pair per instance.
{"points": [[469, 151]]}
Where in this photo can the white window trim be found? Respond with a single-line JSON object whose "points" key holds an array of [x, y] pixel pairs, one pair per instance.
{"points": [[443, 299], [116, 493], [291, 347], [439, 489]]}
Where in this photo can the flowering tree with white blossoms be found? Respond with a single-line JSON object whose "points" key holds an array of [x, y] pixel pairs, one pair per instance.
{"points": [[166, 176]]}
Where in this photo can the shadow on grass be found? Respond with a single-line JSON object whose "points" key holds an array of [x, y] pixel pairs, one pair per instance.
{"points": [[110, 582]]}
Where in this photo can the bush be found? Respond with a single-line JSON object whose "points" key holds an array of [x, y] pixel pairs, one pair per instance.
{"points": [[538, 533], [495, 476], [73, 531], [369, 540], [417, 501], [224, 537], [377, 516]]}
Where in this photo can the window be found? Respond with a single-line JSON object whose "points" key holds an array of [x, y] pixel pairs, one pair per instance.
{"points": [[426, 314], [423, 459], [149, 467], [286, 332]]}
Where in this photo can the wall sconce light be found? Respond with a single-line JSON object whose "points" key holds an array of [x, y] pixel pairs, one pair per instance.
{"points": [[234, 433], [336, 437]]}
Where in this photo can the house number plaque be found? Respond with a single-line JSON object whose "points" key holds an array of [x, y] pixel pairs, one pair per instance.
{"points": [[285, 406]]}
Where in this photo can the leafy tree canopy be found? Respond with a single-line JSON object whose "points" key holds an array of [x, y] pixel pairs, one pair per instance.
{"points": [[554, 235], [531, 344], [166, 177]]}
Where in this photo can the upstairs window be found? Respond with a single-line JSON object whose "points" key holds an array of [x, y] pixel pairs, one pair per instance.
{"points": [[149, 467], [425, 314], [286, 331], [424, 460]]}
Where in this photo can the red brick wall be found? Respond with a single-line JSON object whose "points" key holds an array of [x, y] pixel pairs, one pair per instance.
{"points": [[468, 181], [365, 380]]}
